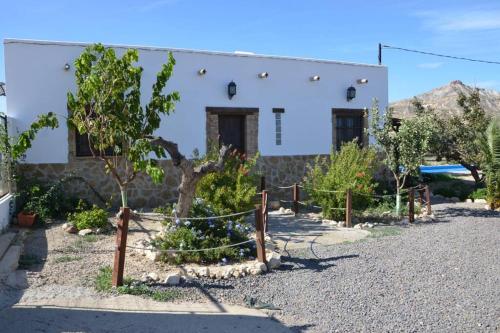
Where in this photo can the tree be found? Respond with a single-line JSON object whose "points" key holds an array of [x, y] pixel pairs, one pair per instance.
{"points": [[490, 146], [191, 174], [404, 146], [107, 108], [455, 136], [12, 149]]}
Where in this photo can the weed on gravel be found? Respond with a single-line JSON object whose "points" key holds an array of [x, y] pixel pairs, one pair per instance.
{"points": [[384, 231], [67, 258], [131, 287]]}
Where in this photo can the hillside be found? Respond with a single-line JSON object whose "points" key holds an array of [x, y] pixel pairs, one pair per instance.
{"points": [[444, 100]]}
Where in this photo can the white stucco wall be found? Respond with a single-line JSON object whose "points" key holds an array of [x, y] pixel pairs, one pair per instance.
{"points": [[37, 83], [5, 211]]}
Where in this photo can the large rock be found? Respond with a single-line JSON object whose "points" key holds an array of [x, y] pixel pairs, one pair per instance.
{"points": [[85, 232], [274, 261], [173, 279]]}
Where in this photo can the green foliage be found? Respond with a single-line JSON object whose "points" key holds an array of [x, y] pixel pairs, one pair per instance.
{"points": [[67, 258], [203, 234], [479, 193], [456, 190], [233, 189], [351, 168], [46, 200], [490, 147], [107, 107], [165, 209], [102, 281], [89, 219]]}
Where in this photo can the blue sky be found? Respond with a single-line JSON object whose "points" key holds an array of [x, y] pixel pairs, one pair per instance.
{"points": [[338, 30]]}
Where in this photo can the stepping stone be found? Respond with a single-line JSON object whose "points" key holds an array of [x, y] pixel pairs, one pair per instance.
{"points": [[10, 260], [5, 241]]}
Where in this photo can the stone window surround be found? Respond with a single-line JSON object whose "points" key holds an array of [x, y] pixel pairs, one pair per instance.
{"points": [[356, 112], [251, 125]]}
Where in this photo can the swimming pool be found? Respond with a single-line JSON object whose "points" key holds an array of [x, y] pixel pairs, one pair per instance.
{"points": [[449, 168]]}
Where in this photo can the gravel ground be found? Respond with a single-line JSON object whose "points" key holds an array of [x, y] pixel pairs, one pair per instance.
{"points": [[432, 277], [429, 277]]}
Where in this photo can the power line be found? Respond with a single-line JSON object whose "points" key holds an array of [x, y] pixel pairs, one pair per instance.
{"points": [[433, 54]]}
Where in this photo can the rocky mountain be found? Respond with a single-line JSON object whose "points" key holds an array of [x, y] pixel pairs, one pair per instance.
{"points": [[444, 100]]}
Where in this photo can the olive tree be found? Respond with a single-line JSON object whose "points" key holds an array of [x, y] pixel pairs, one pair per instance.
{"points": [[404, 146], [455, 137], [107, 108]]}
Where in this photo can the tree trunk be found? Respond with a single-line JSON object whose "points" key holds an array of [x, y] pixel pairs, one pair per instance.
{"points": [[473, 171], [398, 198], [187, 189], [190, 174], [123, 192]]}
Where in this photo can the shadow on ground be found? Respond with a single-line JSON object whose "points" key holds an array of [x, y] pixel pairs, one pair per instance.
{"points": [[312, 264], [42, 319]]}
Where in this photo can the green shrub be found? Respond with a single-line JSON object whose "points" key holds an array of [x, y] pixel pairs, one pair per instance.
{"points": [[46, 200], [350, 168], [232, 190], [89, 219], [457, 189], [479, 193], [202, 234], [103, 279]]}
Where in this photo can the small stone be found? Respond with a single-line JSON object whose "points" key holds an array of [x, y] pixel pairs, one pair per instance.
{"points": [[203, 271], [370, 225], [153, 276], [480, 201], [173, 279], [358, 226], [341, 224], [281, 210], [468, 200], [274, 261], [152, 254], [85, 232], [261, 266], [71, 229]]}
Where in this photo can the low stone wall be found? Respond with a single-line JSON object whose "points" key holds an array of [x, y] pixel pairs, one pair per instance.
{"points": [[278, 170]]}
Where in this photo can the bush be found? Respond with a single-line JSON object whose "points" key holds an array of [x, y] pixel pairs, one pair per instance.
{"points": [[89, 219], [201, 234], [351, 168], [46, 200], [232, 190], [457, 189], [480, 193]]}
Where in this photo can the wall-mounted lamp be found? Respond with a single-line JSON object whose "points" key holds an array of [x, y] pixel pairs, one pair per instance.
{"points": [[202, 71], [362, 81], [231, 89], [67, 67], [315, 78], [351, 93], [263, 75], [2, 89]]}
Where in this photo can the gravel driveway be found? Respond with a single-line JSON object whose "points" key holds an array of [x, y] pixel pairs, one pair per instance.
{"points": [[432, 277]]}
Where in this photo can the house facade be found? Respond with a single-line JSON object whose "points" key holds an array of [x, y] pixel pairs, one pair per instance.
{"points": [[288, 109]]}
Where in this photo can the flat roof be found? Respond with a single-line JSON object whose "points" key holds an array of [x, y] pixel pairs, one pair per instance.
{"points": [[153, 48]]}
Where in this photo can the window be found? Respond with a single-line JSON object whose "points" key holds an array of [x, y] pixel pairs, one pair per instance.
{"points": [[277, 117], [83, 148], [349, 125]]}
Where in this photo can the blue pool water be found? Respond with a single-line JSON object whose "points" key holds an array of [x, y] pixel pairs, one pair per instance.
{"points": [[450, 168]]}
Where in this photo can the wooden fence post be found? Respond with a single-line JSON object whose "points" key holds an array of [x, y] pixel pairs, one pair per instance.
{"points": [[428, 200], [295, 198], [264, 209], [262, 183], [259, 235], [411, 205], [121, 243], [421, 194], [348, 208]]}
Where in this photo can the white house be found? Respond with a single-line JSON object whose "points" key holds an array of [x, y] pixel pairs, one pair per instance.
{"points": [[289, 109]]}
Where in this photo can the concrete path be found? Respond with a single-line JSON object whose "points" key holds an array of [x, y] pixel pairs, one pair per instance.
{"points": [[301, 231], [127, 313]]}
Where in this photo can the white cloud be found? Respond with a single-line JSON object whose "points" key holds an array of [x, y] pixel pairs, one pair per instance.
{"points": [[430, 65], [459, 21]]}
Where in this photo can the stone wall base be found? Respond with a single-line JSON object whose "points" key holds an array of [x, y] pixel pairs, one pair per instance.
{"points": [[143, 193]]}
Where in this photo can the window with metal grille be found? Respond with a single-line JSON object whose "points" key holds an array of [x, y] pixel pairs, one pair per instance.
{"points": [[278, 129]]}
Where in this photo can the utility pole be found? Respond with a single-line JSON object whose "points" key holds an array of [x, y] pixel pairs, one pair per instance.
{"points": [[380, 54]]}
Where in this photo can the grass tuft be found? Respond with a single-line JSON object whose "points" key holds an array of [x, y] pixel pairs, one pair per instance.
{"points": [[384, 231], [67, 258]]}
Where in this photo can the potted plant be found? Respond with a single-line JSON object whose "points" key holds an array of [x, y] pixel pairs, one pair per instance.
{"points": [[32, 207], [26, 218]]}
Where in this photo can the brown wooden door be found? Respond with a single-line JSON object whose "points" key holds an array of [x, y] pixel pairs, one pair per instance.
{"points": [[232, 131]]}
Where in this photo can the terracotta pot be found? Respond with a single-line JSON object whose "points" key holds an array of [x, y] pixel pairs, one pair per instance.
{"points": [[26, 219]]}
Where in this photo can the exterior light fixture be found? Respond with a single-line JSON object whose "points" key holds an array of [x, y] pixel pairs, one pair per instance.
{"points": [[202, 71], [362, 81], [231, 89], [263, 75], [351, 93], [2, 89], [315, 78], [67, 67]]}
